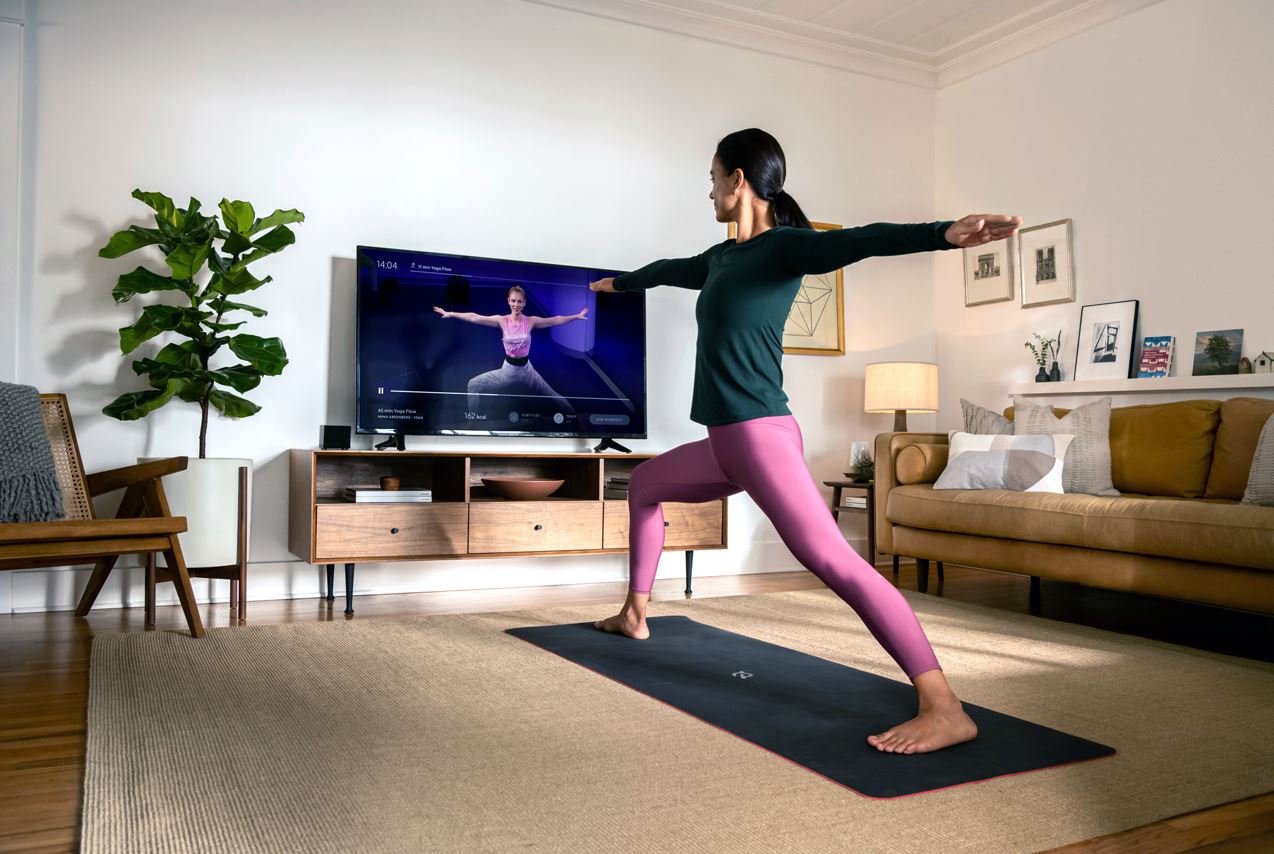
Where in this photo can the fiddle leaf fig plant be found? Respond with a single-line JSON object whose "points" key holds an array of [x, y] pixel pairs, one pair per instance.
{"points": [[208, 314]]}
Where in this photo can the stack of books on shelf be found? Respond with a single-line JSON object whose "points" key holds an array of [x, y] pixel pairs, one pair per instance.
{"points": [[854, 502], [616, 487], [387, 496]]}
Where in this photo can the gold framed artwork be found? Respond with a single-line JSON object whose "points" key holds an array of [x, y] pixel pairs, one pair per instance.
{"points": [[816, 321]]}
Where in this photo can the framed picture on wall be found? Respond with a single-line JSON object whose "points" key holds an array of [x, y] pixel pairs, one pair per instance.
{"points": [[988, 272], [816, 322], [1047, 263], [1107, 339]]}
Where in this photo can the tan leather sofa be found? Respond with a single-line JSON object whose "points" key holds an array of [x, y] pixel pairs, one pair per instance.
{"points": [[1178, 530]]}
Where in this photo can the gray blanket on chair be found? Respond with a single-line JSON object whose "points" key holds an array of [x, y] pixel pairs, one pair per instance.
{"points": [[29, 490]]}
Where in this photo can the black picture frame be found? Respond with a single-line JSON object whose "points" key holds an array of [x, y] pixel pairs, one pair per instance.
{"points": [[1106, 329]]}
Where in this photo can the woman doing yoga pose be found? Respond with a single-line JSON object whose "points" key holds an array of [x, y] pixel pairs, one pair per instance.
{"points": [[516, 373], [746, 288]]}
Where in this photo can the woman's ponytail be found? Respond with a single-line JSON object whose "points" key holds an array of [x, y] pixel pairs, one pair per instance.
{"points": [[761, 158], [788, 212]]}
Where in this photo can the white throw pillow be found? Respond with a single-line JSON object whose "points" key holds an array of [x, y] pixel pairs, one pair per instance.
{"points": [[1031, 463]]}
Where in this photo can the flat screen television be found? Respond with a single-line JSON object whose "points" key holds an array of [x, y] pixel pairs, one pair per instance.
{"points": [[551, 373]]}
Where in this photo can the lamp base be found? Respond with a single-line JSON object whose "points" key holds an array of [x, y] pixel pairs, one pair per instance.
{"points": [[900, 421]]}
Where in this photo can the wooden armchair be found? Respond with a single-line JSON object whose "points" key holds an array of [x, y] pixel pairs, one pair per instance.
{"points": [[142, 525]]}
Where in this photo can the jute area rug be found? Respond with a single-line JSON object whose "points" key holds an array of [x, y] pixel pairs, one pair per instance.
{"points": [[442, 733]]}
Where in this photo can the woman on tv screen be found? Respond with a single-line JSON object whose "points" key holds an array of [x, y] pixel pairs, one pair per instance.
{"points": [[746, 288], [516, 373]]}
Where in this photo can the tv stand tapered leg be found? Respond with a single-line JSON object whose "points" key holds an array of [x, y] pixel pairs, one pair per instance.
{"points": [[690, 563], [349, 589]]}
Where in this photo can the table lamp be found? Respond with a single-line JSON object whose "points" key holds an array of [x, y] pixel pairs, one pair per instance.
{"points": [[901, 387]]}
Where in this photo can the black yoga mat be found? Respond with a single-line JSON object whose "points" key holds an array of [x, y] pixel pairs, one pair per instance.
{"points": [[812, 711]]}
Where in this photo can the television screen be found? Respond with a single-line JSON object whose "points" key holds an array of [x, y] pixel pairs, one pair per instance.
{"points": [[527, 348]]}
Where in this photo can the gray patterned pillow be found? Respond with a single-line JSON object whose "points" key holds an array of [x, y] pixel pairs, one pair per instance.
{"points": [[984, 422], [1260, 480], [1087, 466]]}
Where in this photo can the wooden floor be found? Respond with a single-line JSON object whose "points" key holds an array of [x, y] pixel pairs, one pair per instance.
{"points": [[44, 682]]}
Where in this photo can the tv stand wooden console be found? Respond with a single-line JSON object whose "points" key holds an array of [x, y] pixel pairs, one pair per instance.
{"points": [[464, 520]]}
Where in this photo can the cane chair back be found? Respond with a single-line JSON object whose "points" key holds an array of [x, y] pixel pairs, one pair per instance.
{"points": [[66, 457]]}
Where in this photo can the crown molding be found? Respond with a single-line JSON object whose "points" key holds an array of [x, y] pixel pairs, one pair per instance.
{"points": [[747, 34], [1035, 37], [728, 25]]}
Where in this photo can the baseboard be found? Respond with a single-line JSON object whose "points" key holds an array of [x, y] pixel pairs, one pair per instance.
{"points": [[58, 589]]}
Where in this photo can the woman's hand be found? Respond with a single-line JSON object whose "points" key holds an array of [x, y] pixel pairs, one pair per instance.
{"points": [[583, 314], [606, 285], [443, 313], [976, 229]]}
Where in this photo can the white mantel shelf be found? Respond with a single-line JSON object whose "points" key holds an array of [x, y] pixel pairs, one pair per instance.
{"points": [[1227, 382]]}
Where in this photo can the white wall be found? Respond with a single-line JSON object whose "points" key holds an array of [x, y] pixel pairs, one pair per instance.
{"points": [[496, 128], [10, 190], [10, 204], [1153, 134]]}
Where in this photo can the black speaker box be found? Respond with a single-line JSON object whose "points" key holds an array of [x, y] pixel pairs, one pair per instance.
{"points": [[334, 437]]}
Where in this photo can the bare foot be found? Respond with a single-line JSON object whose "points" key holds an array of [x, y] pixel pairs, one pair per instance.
{"points": [[625, 623], [934, 729]]}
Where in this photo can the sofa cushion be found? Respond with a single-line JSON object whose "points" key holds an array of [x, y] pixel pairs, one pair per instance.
{"points": [[1161, 448], [1088, 457], [1212, 531], [984, 422], [1021, 463], [921, 463], [1165, 448], [1260, 481], [1241, 421]]}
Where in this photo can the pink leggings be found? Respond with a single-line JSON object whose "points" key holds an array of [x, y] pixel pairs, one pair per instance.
{"points": [[766, 458]]}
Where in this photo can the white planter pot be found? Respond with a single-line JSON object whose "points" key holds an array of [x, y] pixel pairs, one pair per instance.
{"points": [[207, 494]]}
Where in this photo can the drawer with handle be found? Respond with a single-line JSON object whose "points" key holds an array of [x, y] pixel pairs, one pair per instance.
{"points": [[346, 531], [685, 525], [497, 527]]}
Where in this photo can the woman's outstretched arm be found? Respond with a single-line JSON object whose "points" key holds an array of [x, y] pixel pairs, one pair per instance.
{"points": [[542, 322], [471, 317], [810, 251], [688, 273]]}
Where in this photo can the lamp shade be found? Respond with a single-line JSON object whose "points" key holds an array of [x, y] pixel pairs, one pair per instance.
{"points": [[905, 386]]}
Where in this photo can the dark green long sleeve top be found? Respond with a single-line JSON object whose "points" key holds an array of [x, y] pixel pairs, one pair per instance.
{"points": [[745, 293]]}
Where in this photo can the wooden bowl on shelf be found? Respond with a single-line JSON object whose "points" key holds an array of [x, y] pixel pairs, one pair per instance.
{"points": [[522, 488]]}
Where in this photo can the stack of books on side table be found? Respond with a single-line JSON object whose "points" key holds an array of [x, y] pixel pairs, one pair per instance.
{"points": [[616, 487], [387, 496], [854, 502]]}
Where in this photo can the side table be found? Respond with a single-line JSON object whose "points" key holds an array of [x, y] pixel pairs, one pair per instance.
{"points": [[869, 488]]}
